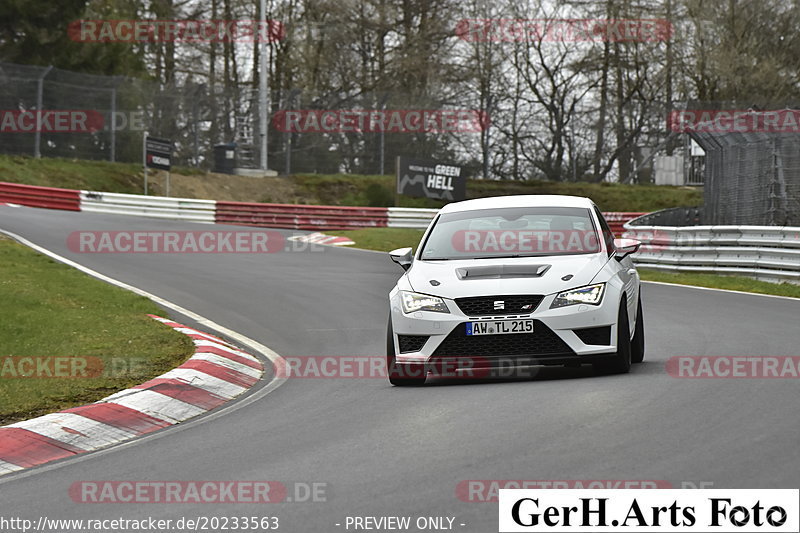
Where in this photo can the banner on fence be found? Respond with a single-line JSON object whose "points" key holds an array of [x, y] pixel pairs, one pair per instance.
{"points": [[424, 178]]}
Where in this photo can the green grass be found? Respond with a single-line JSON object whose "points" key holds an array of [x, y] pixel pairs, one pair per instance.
{"points": [[49, 309], [733, 283], [336, 189], [386, 239], [381, 239], [71, 174], [341, 189], [607, 196], [76, 173]]}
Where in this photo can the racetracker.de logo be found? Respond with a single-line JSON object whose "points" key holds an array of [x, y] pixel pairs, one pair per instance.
{"points": [[50, 366], [563, 30], [51, 121], [206, 492], [376, 120], [734, 367], [375, 367], [176, 242], [734, 121], [525, 241], [192, 31], [487, 490]]}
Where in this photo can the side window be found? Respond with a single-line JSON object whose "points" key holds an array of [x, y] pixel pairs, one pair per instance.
{"points": [[608, 235]]}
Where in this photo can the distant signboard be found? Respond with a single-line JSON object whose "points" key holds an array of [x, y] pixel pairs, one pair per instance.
{"points": [[158, 153], [423, 178]]}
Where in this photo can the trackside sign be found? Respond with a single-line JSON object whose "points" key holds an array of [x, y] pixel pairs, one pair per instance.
{"points": [[607, 511], [424, 178], [158, 153]]}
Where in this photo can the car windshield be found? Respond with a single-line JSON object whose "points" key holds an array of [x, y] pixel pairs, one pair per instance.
{"points": [[511, 232]]}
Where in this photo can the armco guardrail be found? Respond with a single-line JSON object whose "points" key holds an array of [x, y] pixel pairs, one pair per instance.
{"points": [[769, 253], [409, 217], [47, 197], [148, 206], [304, 217], [287, 216]]}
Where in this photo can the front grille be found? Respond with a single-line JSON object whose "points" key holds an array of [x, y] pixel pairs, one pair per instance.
{"points": [[512, 305], [600, 335], [542, 342], [411, 343]]}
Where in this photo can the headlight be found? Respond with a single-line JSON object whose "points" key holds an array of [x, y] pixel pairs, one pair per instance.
{"points": [[413, 301], [591, 294]]}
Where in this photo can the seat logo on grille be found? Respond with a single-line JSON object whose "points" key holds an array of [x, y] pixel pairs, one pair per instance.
{"points": [[499, 304]]}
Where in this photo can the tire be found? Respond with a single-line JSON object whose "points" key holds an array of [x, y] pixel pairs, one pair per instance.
{"points": [[401, 375], [637, 344], [621, 363]]}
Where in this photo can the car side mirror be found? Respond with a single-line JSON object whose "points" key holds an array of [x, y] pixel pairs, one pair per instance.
{"points": [[625, 247], [403, 257]]}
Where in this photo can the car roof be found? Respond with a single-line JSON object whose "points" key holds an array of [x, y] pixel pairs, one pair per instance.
{"points": [[520, 200]]}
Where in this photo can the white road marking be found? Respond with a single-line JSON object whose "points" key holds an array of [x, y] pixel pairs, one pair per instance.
{"points": [[75, 430], [159, 406], [201, 380], [7, 468], [227, 363]]}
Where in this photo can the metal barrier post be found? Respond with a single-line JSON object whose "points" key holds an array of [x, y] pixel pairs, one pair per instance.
{"points": [[37, 151], [144, 160]]}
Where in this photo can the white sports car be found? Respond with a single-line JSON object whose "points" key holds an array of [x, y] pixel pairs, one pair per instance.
{"points": [[514, 282]]}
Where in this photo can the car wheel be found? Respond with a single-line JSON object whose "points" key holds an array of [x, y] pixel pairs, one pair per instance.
{"points": [[621, 363], [401, 375], [637, 344]]}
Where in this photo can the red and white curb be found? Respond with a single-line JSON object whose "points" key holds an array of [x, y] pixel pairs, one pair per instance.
{"points": [[321, 238], [215, 374]]}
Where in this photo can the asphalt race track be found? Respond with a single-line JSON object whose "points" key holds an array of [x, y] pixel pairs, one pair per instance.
{"points": [[402, 452]]}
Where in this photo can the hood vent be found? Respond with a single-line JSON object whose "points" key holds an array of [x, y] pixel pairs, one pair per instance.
{"points": [[502, 271]]}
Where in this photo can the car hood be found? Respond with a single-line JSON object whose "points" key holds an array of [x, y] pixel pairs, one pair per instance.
{"points": [[489, 277]]}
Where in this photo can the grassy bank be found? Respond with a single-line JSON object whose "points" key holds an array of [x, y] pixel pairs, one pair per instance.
{"points": [[53, 311], [381, 239], [71, 174], [377, 191], [731, 283], [338, 189]]}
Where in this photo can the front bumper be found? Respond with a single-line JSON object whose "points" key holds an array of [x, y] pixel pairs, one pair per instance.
{"points": [[575, 334]]}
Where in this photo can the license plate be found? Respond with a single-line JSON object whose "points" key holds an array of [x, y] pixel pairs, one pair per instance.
{"points": [[499, 327]]}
